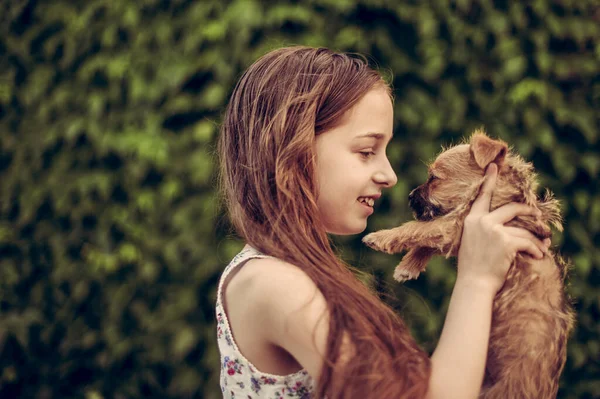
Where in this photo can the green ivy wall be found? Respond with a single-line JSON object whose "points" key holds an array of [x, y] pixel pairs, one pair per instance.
{"points": [[111, 236]]}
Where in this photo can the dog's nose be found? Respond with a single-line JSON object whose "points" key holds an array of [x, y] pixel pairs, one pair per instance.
{"points": [[411, 196], [415, 201]]}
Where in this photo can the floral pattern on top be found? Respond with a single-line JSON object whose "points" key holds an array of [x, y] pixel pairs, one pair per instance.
{"points": [[239, 377]]}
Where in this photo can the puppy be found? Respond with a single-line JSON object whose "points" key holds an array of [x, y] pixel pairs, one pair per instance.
{"points": [[532, 316]]}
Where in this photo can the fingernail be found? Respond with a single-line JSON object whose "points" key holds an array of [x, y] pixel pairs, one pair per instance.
{"points": [[547, 242]]}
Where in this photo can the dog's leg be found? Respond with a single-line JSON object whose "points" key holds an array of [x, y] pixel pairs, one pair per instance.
{"points": [[437, 234], [413, 263]]}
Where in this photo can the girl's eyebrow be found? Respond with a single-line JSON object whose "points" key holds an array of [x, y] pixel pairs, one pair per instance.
{"points": [[375, 135]]}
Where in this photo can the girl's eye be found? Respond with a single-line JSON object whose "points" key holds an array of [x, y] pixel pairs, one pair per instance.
{"points": [[367, 154]]}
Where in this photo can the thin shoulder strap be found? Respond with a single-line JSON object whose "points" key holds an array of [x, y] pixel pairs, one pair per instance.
{"points": [[247, 253]]}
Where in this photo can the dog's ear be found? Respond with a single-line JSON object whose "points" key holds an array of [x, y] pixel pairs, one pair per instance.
{"points": [[486, 150]]}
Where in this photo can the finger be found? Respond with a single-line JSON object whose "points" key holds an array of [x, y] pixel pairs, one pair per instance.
{"points": [[482, 203], [522, 233], [508, 212], [527, 246]]}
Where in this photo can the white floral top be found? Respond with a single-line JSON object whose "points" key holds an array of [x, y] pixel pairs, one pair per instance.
{"points": [[239, 377]]}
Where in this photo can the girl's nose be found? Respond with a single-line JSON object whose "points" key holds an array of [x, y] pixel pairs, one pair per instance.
{"points": [[386, 175]]}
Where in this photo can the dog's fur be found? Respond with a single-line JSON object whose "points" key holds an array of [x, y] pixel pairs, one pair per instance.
{"points": [[532, 316]]}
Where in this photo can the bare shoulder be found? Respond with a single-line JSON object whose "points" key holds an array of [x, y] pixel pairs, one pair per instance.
{"points": [[277, 288], [287, 308], [261, 278]]}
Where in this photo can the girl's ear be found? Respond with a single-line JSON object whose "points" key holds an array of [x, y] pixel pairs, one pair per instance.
{"points": [[486, 150]]}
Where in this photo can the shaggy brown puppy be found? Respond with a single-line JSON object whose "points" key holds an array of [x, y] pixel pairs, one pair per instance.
{"points": [[532, 316]]}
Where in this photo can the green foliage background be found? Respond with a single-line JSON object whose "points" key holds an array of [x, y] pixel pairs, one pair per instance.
{"points": [[111, 237]]}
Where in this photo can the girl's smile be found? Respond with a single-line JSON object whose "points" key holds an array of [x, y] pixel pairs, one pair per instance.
{"points": [[367, 208]]}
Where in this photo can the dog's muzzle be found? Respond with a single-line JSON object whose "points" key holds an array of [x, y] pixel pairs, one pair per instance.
{"points": [[423, 209]]}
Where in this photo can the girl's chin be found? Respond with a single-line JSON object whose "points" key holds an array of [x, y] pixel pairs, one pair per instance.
{"points": [[348, 230]]}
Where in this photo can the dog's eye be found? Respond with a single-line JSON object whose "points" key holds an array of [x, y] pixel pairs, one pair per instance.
{"points": [[432, 178]]}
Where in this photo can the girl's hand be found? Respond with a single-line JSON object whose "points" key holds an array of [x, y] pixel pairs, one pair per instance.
{"points": [[488, 247]]}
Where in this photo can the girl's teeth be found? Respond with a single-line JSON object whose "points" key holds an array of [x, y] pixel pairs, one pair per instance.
{"points": [[368, 201]]}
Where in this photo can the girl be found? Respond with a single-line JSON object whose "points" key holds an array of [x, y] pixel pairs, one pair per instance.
{"points": [[302, 152]]}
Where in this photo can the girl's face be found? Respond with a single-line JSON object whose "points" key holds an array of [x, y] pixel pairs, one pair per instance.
{"points": [[352, 167]]}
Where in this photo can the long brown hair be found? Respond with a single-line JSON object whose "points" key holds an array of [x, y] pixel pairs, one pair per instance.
{"points": [[266, 148]]}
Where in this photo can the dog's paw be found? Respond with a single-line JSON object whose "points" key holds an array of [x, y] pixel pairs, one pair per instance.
{"points": [[382, 241], [371, 240], [402, 275]]}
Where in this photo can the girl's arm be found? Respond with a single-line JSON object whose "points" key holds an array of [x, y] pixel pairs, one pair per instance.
{"points": [[458, 362], [292, 308]]}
